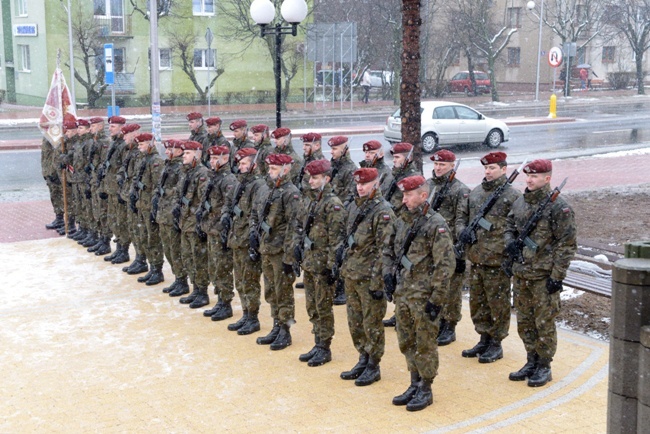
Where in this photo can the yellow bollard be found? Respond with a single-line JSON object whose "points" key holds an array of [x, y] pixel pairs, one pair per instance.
{"points": [[552, 111]]}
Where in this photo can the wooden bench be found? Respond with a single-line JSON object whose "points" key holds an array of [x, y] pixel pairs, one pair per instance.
{"points": [[588, 283]]}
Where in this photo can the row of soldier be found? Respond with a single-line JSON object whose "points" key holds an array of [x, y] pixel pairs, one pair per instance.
{"points": [[223, 212]]}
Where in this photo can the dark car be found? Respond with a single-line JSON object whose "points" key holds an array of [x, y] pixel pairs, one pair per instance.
{"points": [[461, 83]]}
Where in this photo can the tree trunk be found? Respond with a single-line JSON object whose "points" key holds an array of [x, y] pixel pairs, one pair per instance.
{"points": [[410, 87], [493, 82], [639, 72], [470, 69]]}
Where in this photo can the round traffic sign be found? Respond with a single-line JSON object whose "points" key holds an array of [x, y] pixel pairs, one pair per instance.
{"points": [[555, 57]]}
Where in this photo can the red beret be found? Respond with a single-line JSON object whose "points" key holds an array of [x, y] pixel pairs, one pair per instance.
{"points": [[170, 143], [337, 140], [280, 132], [243, 153], [193, 116], [239, 123], [311, 137], [218, 150], [116, 120], [401, 148], [69, 117], [371, 145], [191, 145], [444, 156], [96, 120], [494, 158], [538, 166], [317, 167], [129, 128], [213, 121], [279, 159], [411, 183], [261, 128], [144, 137], [70, 125], [365, 174], [83, 123]]}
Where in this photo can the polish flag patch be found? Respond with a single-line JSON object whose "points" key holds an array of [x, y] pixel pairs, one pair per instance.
{"points": [[386, 217], [565, 210], [442, 230]]}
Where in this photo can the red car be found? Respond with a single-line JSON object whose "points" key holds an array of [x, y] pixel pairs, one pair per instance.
{"points": [[461, 83]]}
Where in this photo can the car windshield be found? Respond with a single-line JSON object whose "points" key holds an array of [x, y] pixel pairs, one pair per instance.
{"points": [[481, 76]]}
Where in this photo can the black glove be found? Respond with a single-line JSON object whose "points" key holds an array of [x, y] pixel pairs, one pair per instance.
{"points": [[176, 212], [87, 193], [62, 165], [202, 235], [433, 310], [103, 196], [297, 254], [553, 286], [389, 286], [330, 278], [226, 222], [155, 201], [152, 217], [287, 269], [376, 295], [120, 200], [465, 236], [460, 266], [199, 215], [254, 241], [339, 254], [88, 170], [512, 250], [120, 182]]}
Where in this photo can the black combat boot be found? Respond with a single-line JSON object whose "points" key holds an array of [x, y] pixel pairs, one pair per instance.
{"points": [[77, 234], [339, 294], [251, 325], [305, 357], [105, 246], [118, 249], [61, 230], [323, 354], [479, 348], [56, 223], [224, 313], [357, 369], [448, 334], [90, 240], [527, 370], [390, 322], [270, 338], [370, 375], [239, 323], [122, 256], [171, 287], [196, 291], [138, 266], [493, 353], [410, 392], [283, 340], [181, 288], [146, 277], [215, 309], [423, 398], [543, 373], [156, 277], [202, 299], [97, 245]]}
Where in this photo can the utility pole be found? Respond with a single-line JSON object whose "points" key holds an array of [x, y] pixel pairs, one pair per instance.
{"points": [[155, 74]]}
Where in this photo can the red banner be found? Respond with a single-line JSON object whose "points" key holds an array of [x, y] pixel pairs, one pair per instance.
{"points": [[57, 108]]}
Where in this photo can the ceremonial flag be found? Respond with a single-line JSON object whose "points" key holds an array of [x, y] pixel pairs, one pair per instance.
{"points": [[58, 107]]}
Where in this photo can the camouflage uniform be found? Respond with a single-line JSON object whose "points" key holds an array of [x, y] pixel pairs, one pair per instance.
{"points": [[315, 155], [384, 172], [432, 255], [99, 152], [117, 217], [236, 146], [264, 149], [126, 175], [201, 135], [297, 161], [217, 139], [75, 159], [342, 180], [50, 170], [555, 236], [398, 174]]}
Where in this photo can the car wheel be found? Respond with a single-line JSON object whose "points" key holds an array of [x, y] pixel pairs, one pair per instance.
{"points": [[467, 92], [429, 143], [493, 139]]}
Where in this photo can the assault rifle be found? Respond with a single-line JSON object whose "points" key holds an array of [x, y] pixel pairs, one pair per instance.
{"points": [[469, 233], [263, 225], [302, 170], [160, 191], [106, 164], [523, 239], [305, 242], [182, 200], [393, 185], [138, 186], [234, 208], [444, 191]]}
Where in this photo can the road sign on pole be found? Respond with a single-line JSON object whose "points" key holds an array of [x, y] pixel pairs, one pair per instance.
{"points": [[555, 57], [108, 64]]}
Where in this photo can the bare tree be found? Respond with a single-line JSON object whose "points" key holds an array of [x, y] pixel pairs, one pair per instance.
{"points": [[165, 7], [461, 16], [439, 50]]}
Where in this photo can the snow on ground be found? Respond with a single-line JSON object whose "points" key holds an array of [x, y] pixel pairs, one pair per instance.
{"points": [[618, 154]]}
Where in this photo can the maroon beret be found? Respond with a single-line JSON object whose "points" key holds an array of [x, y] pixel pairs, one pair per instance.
{"points": [[191, 145], [365, 174], [280, 132], [171, 143], [260, 128], [494, 158], [311, 137], [213, 121], [411, 183], [69, 117], [129, 128], [239, 123], [243, 153], [401, 148], [444, 156], [218, 150], [144, 137], [70, 125], [538, 166], [337, 140], [317, 167], [116, 120], [371, 145], [96, 120], [83, 123], [279, 159], [193, 116]]}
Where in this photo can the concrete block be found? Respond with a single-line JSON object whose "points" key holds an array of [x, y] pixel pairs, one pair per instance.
{"points": [[624, 367], [643, 389], [638, 249], [642, 418], [630, 311], [632, 271], [645, 336], [621, 414]]}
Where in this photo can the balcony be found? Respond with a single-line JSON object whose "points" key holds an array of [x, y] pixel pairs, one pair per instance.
{"points": [[113, 27]]}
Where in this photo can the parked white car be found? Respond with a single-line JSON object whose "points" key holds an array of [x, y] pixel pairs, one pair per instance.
{"points": [[447, 123]]}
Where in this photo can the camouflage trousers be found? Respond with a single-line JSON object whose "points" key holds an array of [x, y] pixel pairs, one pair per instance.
{"points": [[220, 265], [84, 206], [417, 335], [247, 279], [153, 247], [195, 258], [318, 298], [489, 300], [56, 195], [171, 241], [137, 232], [278, 289], [117, 220], [536, 313], [365, 317], [453, 304], [77, 205], [100, 215]]}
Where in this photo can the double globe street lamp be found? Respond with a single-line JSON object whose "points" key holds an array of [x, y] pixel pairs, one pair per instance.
{"points": [[263, 13]]}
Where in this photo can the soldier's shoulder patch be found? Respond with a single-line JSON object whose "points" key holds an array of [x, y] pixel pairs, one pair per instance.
{"points": [[296, 196], [566, 210], [229, 186], [156, 164], [465, 195], [203, 178], [386, 217], [337, 207], [442, 230]]}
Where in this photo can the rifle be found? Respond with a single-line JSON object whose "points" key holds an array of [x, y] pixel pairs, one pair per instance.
{"points": [[182, 200], [206, 206], [160, 191], [263, 225], [393, 185], [138, 186], [479, 219], [305, 242], [523, 239], [302, 170], [444, 191], [106, 164], [234, 208]]}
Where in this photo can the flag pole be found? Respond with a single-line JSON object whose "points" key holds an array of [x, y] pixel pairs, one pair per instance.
{"points": [[64, 182]]}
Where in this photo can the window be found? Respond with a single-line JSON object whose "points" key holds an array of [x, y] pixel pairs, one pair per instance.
{"points": [[113, 11], [21, 8], [165, 55], [514, 18], [201, 58], [25, 61], [513, 56], [444, 113], [203, 7], [466, 113], [581, 56], [609, 54], [119, 60]]}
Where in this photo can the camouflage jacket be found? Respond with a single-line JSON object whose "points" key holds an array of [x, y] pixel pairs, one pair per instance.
{"points": [[77, 159], [98, 154], [489, 249], [236, 146], [431, 253], [454, 205], [396, 198], [151, 166], [116, 152], [220, 186], [297, 162], [384, 171], [167, 190], [554, 235], [371, 255], [342, 179], [304, 183], [197, 180], [128, 171], [254, 192], [49, 163], [217, 139]]}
